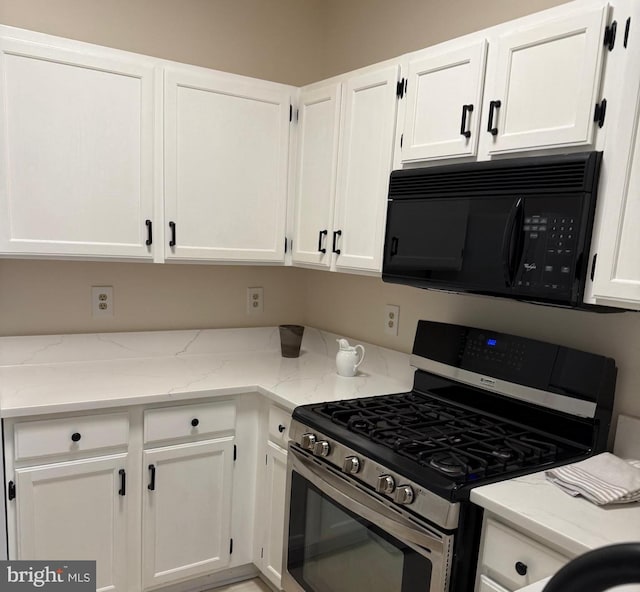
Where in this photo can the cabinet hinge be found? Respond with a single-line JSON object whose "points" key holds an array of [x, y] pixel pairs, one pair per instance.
{"points": [[230, 546], [593, 266], [626, 32], [401, 88], [11, 491], [235, 453], [610, 35], [600, 112]]}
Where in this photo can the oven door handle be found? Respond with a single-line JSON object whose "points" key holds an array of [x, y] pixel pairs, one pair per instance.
{"points": [[359, 502]]}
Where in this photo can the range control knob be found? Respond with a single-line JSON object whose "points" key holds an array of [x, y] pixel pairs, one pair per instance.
{"points": [[404, 494], [385, 484], [308, 441], [351, 465], [321, 448]]}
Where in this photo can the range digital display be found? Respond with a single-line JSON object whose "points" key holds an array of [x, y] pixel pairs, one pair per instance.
{"points": [[492, 342]]}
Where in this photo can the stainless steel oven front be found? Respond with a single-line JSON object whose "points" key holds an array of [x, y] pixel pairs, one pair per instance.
{"points": [[341, 537]]}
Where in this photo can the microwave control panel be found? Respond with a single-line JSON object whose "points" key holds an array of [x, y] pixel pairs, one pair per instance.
{"points": [[548, 254]]}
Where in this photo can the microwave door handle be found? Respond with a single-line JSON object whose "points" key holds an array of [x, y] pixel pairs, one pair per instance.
{"points": [[510, 232], [358, 502]]}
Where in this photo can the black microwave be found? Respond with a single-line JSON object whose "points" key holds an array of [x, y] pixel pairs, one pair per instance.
{"points": [[517, 228]]}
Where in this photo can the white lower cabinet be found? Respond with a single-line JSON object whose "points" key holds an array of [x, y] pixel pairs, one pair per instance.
{"points": [[510, 559], [77, 510], [85, 487], [275, 496], [271, 497], [186, 510]]}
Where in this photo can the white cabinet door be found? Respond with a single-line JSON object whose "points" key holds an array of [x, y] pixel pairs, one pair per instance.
{"points": [[226, 151], [546, 83], [274, 508], [186, 510], [76, 510], [365, 158], [617, 271], [76, 152], [318, 127], [444, 94]]}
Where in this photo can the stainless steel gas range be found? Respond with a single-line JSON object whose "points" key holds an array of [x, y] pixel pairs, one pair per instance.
{"points": [[378, 487]]}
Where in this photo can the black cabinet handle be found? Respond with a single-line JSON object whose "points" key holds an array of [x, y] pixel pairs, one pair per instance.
{"points": [[521, 568], [281, 428], [320, 235], [493, 106], [149, 240], [511, 243], [152, 482], [172, 242], [195, 422], [463, 124], [336, 234], [123, 482], [394, 246], [75, 437]]}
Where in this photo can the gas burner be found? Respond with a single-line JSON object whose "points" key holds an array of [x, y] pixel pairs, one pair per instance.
{"points": [[454, 464]]}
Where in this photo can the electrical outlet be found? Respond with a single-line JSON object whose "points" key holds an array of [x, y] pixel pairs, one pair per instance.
{"points": [[391, 319], [255, 300], [101, 301]]}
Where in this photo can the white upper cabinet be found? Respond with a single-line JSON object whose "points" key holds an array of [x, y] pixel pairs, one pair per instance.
{"points": [[318, 131], [617, 240], [545, 83], [365, 159], [225, 166], [443, 102], [76, 149]]}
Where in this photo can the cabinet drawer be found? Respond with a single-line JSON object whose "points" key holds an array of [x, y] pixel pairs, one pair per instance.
{"points": [[49, 437], [279, 421], [513, 559], [188, 421]]}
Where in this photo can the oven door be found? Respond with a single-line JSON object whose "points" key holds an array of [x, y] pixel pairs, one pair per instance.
{"points": [[341, 538]]}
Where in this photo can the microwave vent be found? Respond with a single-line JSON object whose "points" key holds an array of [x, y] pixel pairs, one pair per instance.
{"points": [[524, 175]]}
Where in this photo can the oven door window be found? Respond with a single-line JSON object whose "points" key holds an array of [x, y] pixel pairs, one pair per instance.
{"points": [[333, 550]]}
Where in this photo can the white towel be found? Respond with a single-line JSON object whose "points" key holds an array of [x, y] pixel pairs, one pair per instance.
{"points": [[602, 479]]}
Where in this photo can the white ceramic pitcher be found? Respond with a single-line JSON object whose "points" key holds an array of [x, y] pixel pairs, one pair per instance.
{"points": [[348, 359]]}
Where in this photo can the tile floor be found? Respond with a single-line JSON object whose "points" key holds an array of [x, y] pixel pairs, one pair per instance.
{"points": [[255, 585]]}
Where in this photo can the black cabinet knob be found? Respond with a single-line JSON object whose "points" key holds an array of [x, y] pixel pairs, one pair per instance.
{"points": [[194, 422], [76, 437], [521, 568], [281, 428]]}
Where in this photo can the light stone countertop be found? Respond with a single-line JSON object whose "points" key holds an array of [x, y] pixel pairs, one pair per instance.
{"points": [[533, 504], [66, 373], [575, 525]]}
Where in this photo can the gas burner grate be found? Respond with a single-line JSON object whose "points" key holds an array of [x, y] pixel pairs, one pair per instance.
{"points": [[459, 443]]}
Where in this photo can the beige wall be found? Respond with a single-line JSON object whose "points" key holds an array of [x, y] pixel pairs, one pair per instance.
{"points": [[55, 297], [354, 305], [361, 32], [278, 40]]}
